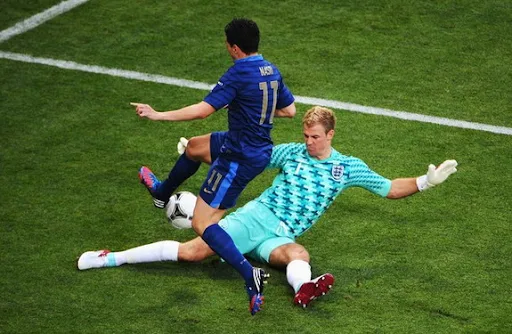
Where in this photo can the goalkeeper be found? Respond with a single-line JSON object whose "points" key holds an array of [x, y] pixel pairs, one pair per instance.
{"points": [[311, 176]]}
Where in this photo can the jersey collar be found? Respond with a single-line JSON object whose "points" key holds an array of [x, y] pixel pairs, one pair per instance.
{"points": [[250, 58], [329, 158]]}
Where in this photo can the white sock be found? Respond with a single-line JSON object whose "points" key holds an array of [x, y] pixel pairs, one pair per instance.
{"points": [[157, 251], [297, 273]]}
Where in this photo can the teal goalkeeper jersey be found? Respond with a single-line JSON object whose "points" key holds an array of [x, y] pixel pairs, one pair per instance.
{"points": [[306, 187]]}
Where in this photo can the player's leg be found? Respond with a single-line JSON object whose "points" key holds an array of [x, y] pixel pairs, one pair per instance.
{"points": [[298, 271], [190, 251], [199, 149], [224, 183], [241, 225], [220, 241], [194, 250], [295, 258]]}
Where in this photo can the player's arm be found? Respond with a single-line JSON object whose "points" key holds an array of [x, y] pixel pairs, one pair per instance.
{"points": [[404, 187], [288, 111], [196, 111], [281, 153], [285, 106]]}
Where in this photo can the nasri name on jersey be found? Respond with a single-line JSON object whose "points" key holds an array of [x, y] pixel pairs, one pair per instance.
{"points": [[266, 70]]}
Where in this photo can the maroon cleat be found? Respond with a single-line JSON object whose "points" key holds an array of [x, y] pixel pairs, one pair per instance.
{"points": [[313, 289]]}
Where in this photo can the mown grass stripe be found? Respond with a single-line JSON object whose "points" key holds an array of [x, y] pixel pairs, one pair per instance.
{"points": [[38, 19], [70, 65]]}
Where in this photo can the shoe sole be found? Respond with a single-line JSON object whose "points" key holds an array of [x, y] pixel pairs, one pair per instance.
{"points": [[256, 305]]}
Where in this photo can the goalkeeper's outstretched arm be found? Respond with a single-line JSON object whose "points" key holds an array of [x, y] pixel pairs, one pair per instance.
{"points": [[404, 187]]}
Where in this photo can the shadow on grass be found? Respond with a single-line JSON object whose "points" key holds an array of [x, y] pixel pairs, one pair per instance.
{"points": [[213, 268]]}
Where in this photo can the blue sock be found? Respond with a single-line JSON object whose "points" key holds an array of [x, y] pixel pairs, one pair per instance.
{"points": [[223, 245], [182, 170]]}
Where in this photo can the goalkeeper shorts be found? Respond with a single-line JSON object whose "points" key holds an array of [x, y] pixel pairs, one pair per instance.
{"points": [[256, 231]]}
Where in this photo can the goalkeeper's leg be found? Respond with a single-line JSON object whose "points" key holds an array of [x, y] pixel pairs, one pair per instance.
{"points": [[191, 251], [298, 273]]}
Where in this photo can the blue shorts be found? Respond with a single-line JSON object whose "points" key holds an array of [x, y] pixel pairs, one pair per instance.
{"points": [[227, 179], [256, 231]]}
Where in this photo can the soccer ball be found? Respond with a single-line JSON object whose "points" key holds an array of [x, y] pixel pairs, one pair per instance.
{"points": [[180, 209]]}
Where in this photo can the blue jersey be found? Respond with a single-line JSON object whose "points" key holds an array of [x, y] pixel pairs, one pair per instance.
{"points": [[252, 89], [306, 187]]}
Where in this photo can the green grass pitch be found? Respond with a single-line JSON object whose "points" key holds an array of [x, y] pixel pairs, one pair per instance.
{"points": [[71, 145]]}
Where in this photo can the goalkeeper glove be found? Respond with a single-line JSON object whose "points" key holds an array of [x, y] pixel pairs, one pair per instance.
{"points": [[435, 175], [182, 145]]}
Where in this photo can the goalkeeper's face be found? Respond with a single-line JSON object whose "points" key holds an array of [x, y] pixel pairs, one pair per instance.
{"points": [[318, 142]]}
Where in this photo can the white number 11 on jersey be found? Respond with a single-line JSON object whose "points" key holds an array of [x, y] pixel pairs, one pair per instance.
{"points": [[274, 85]]}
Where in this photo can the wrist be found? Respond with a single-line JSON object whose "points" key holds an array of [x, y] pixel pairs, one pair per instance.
{"points": [[422, 183], [160, 116]]}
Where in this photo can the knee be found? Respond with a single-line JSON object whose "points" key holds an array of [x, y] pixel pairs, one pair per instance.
{"points": [[193, 143], [285, 254], [195, 148], [193, 252], [298, 253], [199, 226]]}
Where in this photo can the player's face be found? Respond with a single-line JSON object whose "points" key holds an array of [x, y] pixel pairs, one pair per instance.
{"points": [[318, 143]]}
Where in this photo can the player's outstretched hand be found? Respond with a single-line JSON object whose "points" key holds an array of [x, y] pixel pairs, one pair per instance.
{"points": [[145, 111], [438, 175]]}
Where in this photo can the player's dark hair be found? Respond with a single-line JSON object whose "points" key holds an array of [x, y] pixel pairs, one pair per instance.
{"points": [[244, 33]]}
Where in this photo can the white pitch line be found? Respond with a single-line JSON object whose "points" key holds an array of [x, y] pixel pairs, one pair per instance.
{"points": [[38, 19], [405, 115], [70, 65]]}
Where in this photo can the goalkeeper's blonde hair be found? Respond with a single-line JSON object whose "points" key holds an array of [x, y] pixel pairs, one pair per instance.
{"points": [[322, 115]]}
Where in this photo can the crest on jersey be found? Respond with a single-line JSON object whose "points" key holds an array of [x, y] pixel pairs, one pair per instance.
{"points": [[337, 172]]}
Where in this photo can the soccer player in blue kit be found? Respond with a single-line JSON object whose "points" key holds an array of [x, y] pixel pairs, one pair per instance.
{"points": [[311, 176], [254, 92]]}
